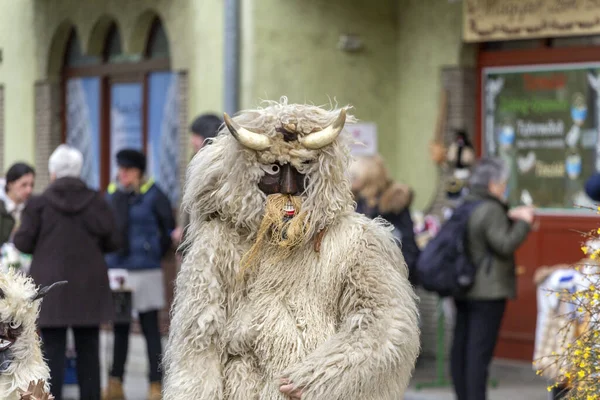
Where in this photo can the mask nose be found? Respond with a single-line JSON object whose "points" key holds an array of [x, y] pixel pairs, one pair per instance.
{"points": [[288, 181]]}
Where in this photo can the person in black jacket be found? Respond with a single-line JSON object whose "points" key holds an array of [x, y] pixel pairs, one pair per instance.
{"points": [[377, 195]]}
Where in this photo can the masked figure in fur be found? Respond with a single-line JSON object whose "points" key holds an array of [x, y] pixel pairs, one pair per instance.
{"points": [[286, 292], [21, 361]]}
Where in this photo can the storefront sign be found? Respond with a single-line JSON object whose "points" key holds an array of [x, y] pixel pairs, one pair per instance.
{"points": [[544, 122], [364, 135], [490, 20]]}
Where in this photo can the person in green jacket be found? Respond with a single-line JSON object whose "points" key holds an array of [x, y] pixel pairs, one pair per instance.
{"points": [[494, 233]]}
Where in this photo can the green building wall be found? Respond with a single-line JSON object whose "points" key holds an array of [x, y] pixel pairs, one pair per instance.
{"points": [[288, 48], [17, 77], [429, 39]]}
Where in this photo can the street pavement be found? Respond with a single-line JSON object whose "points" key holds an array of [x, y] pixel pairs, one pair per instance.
{"points": [[515, 380]]}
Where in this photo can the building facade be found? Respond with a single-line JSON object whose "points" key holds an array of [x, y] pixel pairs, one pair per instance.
{"points": [[286, 48], [105, 74]]}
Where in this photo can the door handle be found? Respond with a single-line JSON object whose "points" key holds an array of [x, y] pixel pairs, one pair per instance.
{"points": [[520, 270]]}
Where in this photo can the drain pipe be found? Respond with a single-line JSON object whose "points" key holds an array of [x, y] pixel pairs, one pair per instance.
{"points": [[232, 56]]}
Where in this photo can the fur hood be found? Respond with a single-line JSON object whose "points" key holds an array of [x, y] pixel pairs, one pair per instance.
{"points": [[395, 198], [372, 184]]}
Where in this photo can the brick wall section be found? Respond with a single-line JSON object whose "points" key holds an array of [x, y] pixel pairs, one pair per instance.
{"points": [[48, 128], [183, 80], [2, 131], [460, 84]]}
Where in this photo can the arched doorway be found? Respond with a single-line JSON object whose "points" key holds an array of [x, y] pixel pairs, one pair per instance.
{"points": [[113, 100]]}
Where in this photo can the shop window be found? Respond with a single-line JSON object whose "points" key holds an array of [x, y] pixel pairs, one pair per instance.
{"points": [[543, 120]]}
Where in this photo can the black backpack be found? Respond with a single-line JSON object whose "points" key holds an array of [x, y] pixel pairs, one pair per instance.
{"points": [[444, 266]]}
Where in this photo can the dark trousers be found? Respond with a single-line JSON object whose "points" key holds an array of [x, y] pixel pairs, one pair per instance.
{"points": [[87, 346], [475, 336], [150, 328]]}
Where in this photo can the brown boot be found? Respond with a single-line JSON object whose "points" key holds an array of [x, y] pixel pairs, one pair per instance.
{"points": [[114, 390], [155, 391]]}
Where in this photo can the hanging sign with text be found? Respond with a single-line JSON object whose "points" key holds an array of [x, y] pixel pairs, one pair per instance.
{"points": [[485, 20], [364, 136]]}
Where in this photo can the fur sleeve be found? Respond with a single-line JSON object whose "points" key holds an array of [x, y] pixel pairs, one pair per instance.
{"points": [[193, 368], [373, 354]]}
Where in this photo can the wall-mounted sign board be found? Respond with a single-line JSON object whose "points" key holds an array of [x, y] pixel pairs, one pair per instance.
{"points": [[365, 136]]}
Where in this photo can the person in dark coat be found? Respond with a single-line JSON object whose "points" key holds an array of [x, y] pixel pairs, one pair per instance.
{"points": [[377, 195], [204, 127], [68, 229], [145, 219]]}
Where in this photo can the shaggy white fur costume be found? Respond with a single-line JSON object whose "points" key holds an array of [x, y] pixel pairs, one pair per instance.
{"points": [[18, 309], [340, 323]]}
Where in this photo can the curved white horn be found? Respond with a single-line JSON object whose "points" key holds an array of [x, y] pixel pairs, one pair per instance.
{"points": [[249, 139], [326, 136]]}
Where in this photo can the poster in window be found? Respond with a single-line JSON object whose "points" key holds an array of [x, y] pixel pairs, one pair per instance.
{"points": [[543, 121], [125, 120], [83, 125], [163, 132]]}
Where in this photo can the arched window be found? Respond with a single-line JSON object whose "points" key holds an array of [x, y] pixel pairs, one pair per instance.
{"points": [[119, 100]]}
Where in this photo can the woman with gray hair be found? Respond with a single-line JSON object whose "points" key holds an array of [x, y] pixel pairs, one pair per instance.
{"points": [[68, 229], [493, 235]]}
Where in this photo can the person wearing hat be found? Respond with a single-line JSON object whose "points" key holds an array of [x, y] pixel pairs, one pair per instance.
{"points": [[204, 127], [145, 220]]}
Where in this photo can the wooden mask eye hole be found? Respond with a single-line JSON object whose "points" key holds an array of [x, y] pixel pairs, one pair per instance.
{"points": [[272, 169]]}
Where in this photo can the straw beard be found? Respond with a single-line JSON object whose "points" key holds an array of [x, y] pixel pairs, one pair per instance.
{"points": [[283, 226]]}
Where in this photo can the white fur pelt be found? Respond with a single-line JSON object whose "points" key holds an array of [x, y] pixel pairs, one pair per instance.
{"points": [[17, 308], [340, 323]]}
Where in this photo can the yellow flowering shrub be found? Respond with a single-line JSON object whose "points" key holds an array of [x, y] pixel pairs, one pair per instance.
{"points": [[578, 360]]}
